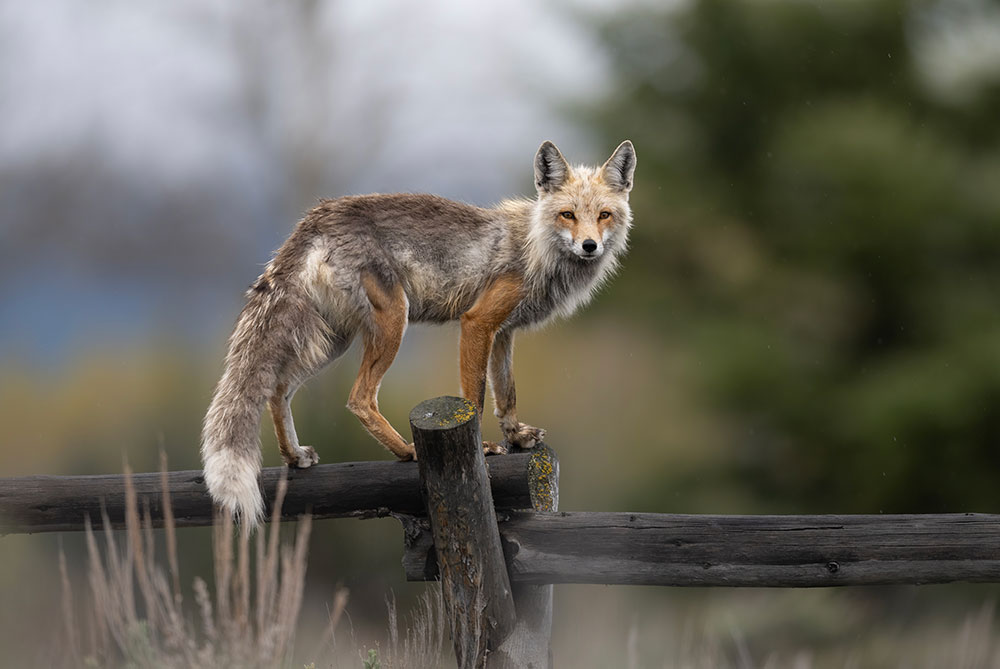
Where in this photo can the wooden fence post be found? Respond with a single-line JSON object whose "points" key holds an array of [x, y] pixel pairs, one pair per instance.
{"points": [[463, 522], [529, 646]]}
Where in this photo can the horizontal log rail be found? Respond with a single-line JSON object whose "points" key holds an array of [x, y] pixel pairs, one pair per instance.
{"points": [[576, 547], [352, 489], [767, 551]]}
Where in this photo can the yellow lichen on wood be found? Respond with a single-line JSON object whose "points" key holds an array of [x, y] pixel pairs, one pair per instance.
{"points": [[543, 492], [460, 415]]}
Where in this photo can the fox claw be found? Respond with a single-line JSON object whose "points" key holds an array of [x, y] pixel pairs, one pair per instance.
{"points": [[410, 455], [493, 448], [525, 436], [307, 457]]}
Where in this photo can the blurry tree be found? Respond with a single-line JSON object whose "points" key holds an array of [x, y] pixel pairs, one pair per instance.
{"points": [[820, 224], [291, 60]]}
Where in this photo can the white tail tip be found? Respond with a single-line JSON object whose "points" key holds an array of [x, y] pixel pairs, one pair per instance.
{"points": [[232, 482]]}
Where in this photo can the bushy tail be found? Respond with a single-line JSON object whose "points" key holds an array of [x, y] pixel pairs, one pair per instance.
{"points": [[230, 438]]}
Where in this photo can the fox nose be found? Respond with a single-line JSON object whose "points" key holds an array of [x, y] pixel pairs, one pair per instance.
{"points": [[589, 245]]}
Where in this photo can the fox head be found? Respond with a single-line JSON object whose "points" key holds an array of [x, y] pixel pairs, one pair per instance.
{"points": [[584, 211]]}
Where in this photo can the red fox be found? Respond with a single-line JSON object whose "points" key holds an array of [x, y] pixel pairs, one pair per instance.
{"points": [[368, 265]]}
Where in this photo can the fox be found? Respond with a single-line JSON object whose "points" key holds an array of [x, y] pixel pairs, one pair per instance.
{"points": [[368, 265]]}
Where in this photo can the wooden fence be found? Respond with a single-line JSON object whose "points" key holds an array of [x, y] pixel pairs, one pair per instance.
{"points": [[489, 529]]}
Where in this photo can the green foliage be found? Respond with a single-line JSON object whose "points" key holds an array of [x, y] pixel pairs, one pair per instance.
{"points": [[819, 226], [372, 661], [140, 648]]}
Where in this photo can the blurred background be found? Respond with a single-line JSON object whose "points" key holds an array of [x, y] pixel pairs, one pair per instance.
{"points": [[808, 320]]}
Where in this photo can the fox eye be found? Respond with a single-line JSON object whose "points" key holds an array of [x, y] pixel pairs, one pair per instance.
{"points": [[567, 214], [604, 214]]}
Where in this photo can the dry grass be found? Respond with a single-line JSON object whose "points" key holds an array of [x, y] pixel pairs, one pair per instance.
{"points": [[133, 613], [423, 643], [136, 615]]}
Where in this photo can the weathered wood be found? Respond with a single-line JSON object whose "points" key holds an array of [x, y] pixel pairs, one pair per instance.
{"points": [[529, 646], [536, 469], [463, 524], [351, 489], [765, 551]]}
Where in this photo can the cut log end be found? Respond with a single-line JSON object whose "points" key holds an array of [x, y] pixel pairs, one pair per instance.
{"points": [[442, 413]]}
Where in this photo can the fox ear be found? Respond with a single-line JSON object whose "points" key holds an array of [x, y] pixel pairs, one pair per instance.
{"points": [[551, 168], [620, 167]]}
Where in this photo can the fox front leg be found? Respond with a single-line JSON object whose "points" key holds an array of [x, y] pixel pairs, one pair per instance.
{"points": [[480, 330], [502, 380]]}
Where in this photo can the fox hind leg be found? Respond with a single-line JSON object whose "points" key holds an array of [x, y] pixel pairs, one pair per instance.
{"points": [[292, 453], [381, 338], [325, 347]]}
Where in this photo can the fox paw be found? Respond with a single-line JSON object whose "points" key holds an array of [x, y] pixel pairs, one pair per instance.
{"points": [[524, 436], [307, 457], [410, 455], [493, 448]]}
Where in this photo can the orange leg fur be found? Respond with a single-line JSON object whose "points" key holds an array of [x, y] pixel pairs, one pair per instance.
{"points": [[479, 327], [381, 342]]}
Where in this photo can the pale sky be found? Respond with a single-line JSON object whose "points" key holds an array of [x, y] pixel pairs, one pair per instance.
{"points": [[158, 85], [149, 148]]}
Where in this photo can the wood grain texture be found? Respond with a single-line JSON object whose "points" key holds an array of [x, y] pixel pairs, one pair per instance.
{"points": [[463, 524], [529, 646], [351, 489], [765, 551]]}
